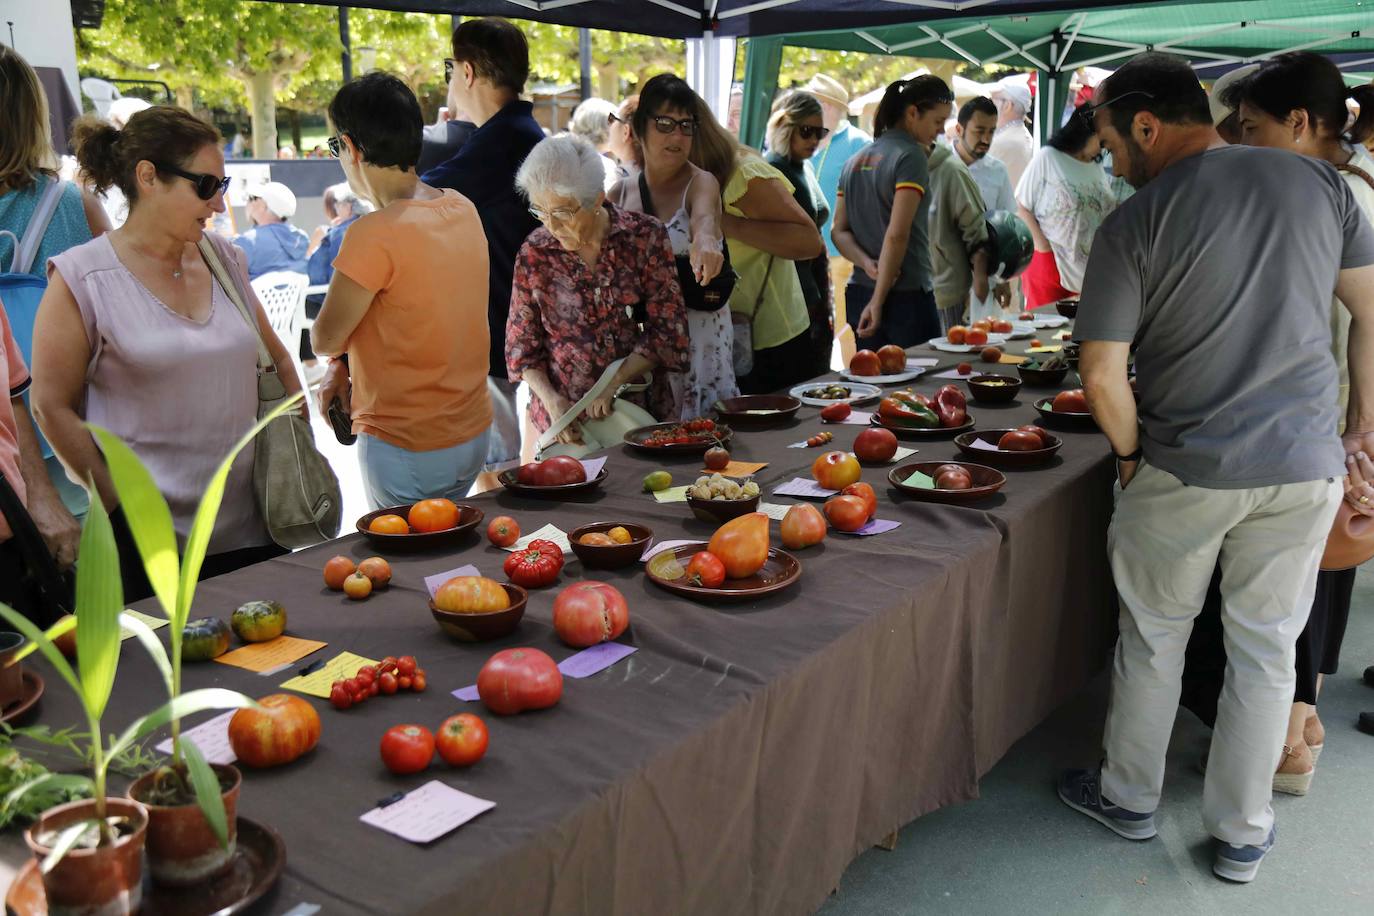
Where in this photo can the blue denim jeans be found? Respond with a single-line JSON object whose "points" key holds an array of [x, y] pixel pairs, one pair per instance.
{"points": [[395, 476]]}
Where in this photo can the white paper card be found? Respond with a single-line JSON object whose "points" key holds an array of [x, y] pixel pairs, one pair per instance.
{"points": [[549, 532], [921, 362], [773, 510], [662, 546], [800, 486], [984, 445], [858, 418], [902, 454], [427, 813], [954, 374], [210, 737]]}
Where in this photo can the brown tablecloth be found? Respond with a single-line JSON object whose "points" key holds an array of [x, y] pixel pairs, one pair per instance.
{"points": [[744, 755]]}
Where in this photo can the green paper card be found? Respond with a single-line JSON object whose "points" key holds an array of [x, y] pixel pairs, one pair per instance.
{"points": [[917, 479], [672, 495]]}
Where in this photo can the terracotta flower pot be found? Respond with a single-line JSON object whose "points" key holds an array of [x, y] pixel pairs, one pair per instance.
{"points": [[106, 880], [182, 849]]}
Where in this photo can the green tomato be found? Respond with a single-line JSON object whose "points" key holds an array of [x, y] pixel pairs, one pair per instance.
{"points": [[259, 621], [204, 639]]}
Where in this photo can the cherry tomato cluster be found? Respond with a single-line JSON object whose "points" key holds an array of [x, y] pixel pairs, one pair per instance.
{"points": [[819, 439], [391, 675], [688, 433]]}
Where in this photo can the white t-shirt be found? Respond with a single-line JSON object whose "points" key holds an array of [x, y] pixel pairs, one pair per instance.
{"points": [[1069, 199], [994, 183], [1013, 146]]}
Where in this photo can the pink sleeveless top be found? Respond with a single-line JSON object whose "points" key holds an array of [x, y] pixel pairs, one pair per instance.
{"points": [[179, 392]]}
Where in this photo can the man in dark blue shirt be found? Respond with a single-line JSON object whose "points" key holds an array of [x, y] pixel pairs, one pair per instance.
{"points": [[489, 67]]}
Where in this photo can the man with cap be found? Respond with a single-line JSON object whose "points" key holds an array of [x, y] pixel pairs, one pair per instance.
{"points": [[1224, 118], [273, 243], [1012, 145], [843, 141]]}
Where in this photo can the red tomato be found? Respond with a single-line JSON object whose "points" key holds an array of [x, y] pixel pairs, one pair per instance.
{"points": [[1027, 316], [990, 355], [336, 571], [956, 334], [525, 474], [1016, 440], [503, 531], [1043, 434], [559, 470], [835, 413], [1001, 326], [984, 323], [976, 336], [964, 369], [433, 515], [376, 569], [1035, 342], [586, 613], [891, 359], [742, 545], [471, 595], [407, 749], [835, 470], [536, 566], [1071, 401], [865, 362], [705, 569], [875, 446], [955, 479], [802, 526], [462, 739], [847, 513], [517, 679], [282, 729], [865, 492]]}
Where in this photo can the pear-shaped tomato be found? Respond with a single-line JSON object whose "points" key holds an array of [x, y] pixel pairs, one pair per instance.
{"points": [[802, 526], [742, 545]]}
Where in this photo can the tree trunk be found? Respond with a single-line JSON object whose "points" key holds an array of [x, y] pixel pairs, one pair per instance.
{"points": [[185, 98], [294, 116], [262, 109], [608, 82]]}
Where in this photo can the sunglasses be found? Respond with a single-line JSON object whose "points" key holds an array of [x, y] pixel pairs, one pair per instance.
{"points": [[810, 132], [1087, 112], [336, 145], [449, 66], [666, 125], [207, 186]]}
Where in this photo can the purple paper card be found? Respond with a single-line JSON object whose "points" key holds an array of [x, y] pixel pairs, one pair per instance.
{"points": [[427, 813], [858, 417], [467, 693], [433, 582], [876, 526], [800, 486], [984, 445], [597, 658], [593, 466]]}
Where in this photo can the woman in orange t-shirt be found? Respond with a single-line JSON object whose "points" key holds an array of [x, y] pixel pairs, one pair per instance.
{"points": [[408, 304]]}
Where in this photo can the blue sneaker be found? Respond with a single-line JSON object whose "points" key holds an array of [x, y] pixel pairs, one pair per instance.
{"points": [[1240, 863], [1081, 790]]}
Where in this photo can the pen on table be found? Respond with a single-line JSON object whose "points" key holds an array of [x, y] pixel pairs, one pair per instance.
{"points": [[311, 668], [391, 799]]}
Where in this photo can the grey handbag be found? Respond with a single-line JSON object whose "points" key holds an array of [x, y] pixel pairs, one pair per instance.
{"points": [[297, 492]]}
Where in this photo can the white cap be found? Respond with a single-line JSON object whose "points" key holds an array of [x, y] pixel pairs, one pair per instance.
{"points": [[1219, 111], [277, 196], [1015, 91], [122, 109]]}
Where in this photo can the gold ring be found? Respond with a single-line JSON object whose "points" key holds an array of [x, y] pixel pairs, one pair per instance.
{"points": [[1364, 499]]}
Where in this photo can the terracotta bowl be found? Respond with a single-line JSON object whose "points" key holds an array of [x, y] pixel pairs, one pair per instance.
{"points": [[719, 511], [753, 411], [614, 556], [481, 627], [1067, 307], [469, 517], [993, 388], [986, 481], [1004, 458], [1043, 378]]}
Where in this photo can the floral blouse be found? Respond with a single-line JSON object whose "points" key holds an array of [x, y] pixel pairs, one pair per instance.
{"points": [[573, 322]]}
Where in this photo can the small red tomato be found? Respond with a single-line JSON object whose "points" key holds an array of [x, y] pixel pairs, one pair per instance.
{"points": [[846, 513], [964, 369], [387, 682], [339, 697], [377, 570], [503, 531], [1066, 336], [865, 492], [405, 665], [388, 663], [462, 739], [366, 674], [1035, 342], [706, 568], [836, 413], [407, 748], [357, 586], [418, 683], [336, 571], [403, 682]]}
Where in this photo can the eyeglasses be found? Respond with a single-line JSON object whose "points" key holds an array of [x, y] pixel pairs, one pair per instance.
{"points": [[336, 145], [811, 132], [559, 215], [449, 66], [1087, 113], [613, 118], [207, 186], [666, 125]]}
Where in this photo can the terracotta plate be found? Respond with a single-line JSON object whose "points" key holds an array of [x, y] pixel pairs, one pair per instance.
{"points": [[560, 491], [469, 517], [1064, 420], [779, 571], [33, 689], [635, 439], [1003, 458], [986, 481]]}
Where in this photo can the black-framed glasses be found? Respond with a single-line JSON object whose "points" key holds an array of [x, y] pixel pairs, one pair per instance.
{"points": [[613, 118], [1087, 112], [666, 125], [207, 186], [334, 146], [449, 66], [811, 132]]}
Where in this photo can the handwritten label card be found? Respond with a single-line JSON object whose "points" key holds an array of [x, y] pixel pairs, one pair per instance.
{"points": [[672, 494], [1009, 360], [154, 623], [800, 486], [1054, 349], [317, 683], [902, 454], [874, 526], [265, 657], [433, 582], [597, 658], [211, 737], [773, 510], [593, 466], [468, 694], [427, 813], [549, 532]]}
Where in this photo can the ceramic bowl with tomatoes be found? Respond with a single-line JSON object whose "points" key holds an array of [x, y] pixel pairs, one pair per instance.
{"points": [[982, 481], [481, 625], [1025, 455], [1042, 378], [1065, 413], [558, 477], [610, 556], [469, 517]]}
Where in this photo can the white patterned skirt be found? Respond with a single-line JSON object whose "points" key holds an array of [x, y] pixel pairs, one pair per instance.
{"points": [[711, 375]]}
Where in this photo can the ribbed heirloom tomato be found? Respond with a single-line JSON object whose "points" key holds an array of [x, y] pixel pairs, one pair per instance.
{"points": [[284, 728], [471, 595], [433, 515]]}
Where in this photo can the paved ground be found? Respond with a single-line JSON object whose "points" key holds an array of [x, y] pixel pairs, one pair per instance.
{"points": [[1018, 849]]}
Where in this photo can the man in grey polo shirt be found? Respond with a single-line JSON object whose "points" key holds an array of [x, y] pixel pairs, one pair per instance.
{"points": [[1220, 272]]}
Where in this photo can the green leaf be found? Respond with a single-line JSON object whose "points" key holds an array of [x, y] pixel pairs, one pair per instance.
{"points": [[148, 517], [148, 637], [68, 838], [64, 625], [199, 538], [99, 602], [178, 708], [49, 782], [208, 795], [45, 645]]}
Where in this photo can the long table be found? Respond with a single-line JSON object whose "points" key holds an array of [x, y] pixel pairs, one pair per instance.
{"points": [[744, 755]]}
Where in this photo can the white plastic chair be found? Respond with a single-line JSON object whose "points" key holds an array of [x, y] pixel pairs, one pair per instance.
{"points": [[282, 294]]}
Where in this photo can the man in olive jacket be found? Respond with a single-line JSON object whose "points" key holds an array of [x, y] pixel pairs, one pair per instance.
{"points": [[958, 236]]}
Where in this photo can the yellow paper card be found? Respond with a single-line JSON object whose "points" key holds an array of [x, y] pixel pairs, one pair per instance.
{"points": [[738, 468], [154, 623], [1009, 360], [264, 656], [317, 683], [1044, 349]]}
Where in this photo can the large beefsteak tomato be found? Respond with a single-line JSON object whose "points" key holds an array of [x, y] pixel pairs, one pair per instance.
{"points": [[586, 613], [513, 680]]}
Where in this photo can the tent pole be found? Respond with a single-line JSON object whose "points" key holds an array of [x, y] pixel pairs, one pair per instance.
{"points": [[346, 55]]}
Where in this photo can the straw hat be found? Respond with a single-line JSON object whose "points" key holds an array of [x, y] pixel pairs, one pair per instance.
{"points": [[828, 89]]}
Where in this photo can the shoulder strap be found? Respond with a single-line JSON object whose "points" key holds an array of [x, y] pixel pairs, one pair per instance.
{"points": [[1358, 172], [646, 200], [235, 294], [561, 423], [27, 250]]}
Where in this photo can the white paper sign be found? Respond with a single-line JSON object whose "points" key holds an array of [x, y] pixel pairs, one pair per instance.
{"points": [[549, 532], [800, 486], [427, 813], [210, 737]]}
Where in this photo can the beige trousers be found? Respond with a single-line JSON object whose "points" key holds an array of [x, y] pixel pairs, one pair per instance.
{"points": [[840, 272], [1165, 540]]}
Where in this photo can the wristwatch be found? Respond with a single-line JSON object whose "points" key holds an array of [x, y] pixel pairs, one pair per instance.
{"points": [[1133, 456]]}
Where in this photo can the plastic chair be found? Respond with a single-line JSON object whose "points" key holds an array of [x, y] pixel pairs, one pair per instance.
{"points": [[282, 294], [847, 346]]}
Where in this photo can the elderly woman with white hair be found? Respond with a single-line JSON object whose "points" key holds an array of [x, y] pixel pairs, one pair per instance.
{"points": [[591, 121], [594, 285]]}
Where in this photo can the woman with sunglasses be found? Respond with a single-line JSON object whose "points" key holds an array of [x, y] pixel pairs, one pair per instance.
{"points": [[1063, 196], [136, 335], [795, 131]]}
